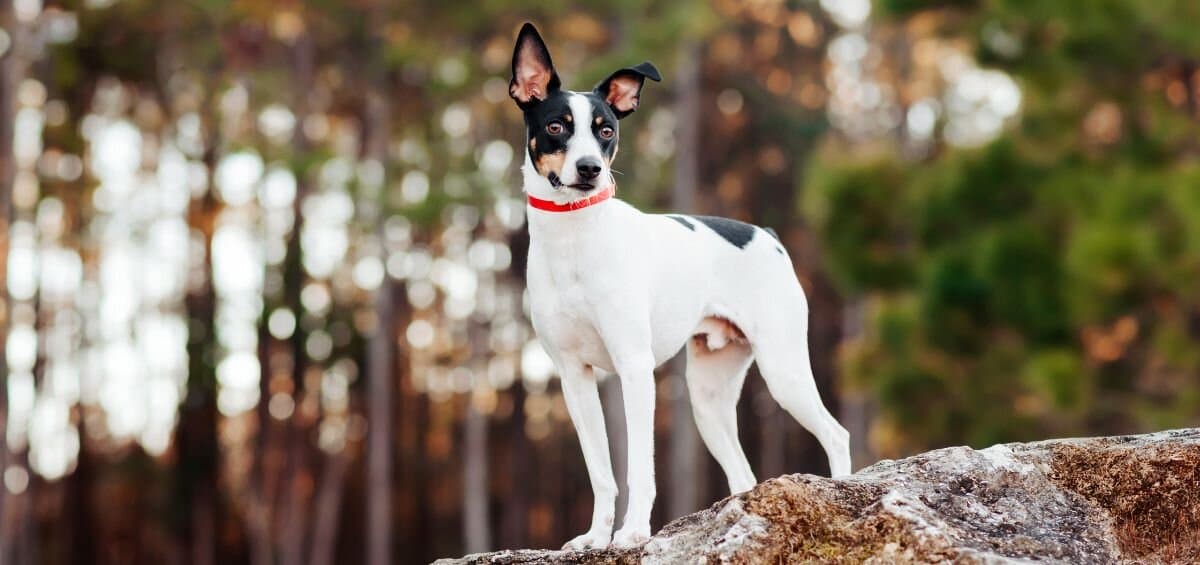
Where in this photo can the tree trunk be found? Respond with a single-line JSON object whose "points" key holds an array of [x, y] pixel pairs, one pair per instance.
{"points": [[328, 512], [196, 433], [475, 482], [857, 406], [297, 486], [9, 69], [514, 526], [686, 472], [78, 505], [195, 474], [27, 550], [380, 372], [380, 354], [772, 451]]}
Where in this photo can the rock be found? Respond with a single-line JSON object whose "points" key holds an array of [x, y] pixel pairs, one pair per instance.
{"points": [[1098, 500]]}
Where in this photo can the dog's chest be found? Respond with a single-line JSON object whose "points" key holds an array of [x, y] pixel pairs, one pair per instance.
{"points": [[563, 302]]}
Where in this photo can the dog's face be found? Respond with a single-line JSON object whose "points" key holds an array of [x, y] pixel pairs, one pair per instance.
{"points": [[571, 137]]}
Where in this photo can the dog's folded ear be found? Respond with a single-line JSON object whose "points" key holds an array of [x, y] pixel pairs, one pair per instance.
{"points": [[533, 75], [623, 89]]}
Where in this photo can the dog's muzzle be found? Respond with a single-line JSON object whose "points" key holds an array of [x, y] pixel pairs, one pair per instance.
{"points": [[557, 184]]}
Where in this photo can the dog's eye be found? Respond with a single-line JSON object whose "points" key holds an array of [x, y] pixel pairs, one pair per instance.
{"points": [[607, 132], [554, 128]]}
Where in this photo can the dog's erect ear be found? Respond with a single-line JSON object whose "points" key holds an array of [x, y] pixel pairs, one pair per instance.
{"points": [[623, 89], [533, 76]]}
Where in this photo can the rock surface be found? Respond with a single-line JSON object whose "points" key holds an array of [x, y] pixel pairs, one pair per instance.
{"points": [[1099, 500]]}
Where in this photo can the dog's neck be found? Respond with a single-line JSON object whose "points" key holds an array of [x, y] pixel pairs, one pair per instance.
{"points": [[595, 197], [573, 215], [560, 200]]}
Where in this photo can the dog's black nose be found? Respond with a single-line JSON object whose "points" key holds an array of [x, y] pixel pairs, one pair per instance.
{"points": [[588, 168]]}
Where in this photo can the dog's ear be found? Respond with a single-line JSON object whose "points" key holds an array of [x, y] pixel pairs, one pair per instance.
{"points": [[623, 89], [533, 76]]}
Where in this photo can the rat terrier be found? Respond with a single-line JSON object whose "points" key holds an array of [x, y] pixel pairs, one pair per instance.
{"points": [[613, 289]]}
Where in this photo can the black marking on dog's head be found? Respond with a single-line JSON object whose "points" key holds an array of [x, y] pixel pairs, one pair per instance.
{"points": [[549, 122], [550, 125], [548, 129], [683, 222], [622, 90], [535, 88], [604, 126], [736, 233]]}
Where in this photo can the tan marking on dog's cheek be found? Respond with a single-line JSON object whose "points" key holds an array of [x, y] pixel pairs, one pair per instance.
{"points": [[599, 120], [550, 163], [569, 118], [533, 145]]}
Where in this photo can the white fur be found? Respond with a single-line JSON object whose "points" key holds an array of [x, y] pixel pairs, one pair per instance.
{"points": [[621, 291], [582, 144]]}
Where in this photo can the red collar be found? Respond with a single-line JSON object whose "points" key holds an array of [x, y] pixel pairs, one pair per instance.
{"points": [[550, 206]]}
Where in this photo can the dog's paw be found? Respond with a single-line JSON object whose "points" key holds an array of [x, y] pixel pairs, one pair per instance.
{"points": [[631, 537], [588, 540]]}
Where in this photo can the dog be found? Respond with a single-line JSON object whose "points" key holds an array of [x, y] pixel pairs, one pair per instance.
{"points": [[615, 290]]}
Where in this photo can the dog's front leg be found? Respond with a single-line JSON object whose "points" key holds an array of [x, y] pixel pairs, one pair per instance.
{"points": [[637, 390], [583, 404]]}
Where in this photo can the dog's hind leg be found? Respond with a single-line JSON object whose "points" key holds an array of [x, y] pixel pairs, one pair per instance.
{"points": [[785, 365], [714, 380]]}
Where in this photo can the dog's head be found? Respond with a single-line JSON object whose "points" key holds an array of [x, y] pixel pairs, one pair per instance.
{"points": [[571, 137]]}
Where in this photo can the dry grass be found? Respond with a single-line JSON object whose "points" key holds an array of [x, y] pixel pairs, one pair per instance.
{"points": [[1152, 494], [812, 523]]}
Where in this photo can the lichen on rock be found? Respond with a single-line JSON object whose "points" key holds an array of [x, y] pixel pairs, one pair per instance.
{"points": [[1098, 500]]}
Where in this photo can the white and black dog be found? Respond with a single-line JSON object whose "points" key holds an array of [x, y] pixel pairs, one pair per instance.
{"points": [[615, 290]]}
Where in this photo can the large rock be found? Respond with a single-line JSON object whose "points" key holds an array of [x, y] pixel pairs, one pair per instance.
{"points": [[1100, 500]]}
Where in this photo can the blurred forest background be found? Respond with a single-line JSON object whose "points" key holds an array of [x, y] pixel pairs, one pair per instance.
{"points": [[263, 298]]}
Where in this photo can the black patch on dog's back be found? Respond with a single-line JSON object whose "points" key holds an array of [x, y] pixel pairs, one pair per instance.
{"points": [[736, 233], [683, 222], [775, 235]]}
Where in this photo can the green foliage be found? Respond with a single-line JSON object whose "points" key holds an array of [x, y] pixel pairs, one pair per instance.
{"points": [[1045, 283], [903, 7], [855, 208], [1057, 378]]}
